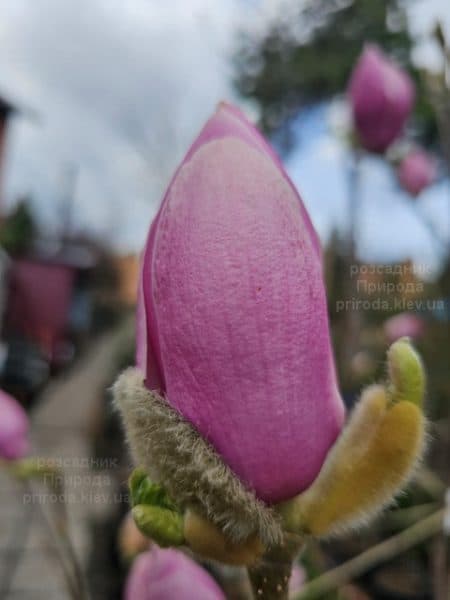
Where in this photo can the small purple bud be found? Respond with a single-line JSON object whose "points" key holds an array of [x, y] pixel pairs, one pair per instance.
{"points": [[13, 428], [416, 172], [381, 97]]}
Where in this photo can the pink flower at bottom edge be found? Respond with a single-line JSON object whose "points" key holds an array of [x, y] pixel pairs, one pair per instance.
{"points": [[167, 574]]}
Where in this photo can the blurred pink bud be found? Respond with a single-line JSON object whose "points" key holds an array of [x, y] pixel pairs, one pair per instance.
{"points": [[167, 574], [362, 364], [130, 540], [236, 314], [297, 580], [381, 96], [13, 428], [403, 325], [416, 172]]}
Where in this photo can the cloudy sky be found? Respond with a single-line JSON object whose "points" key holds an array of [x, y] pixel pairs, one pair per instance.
{"points": [[115, 91], [115, 88]]}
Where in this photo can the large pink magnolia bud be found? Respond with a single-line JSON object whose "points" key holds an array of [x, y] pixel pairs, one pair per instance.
{"points": [[13, 428], [381, 96], [416, 172], [235, 313], [168, 574]]}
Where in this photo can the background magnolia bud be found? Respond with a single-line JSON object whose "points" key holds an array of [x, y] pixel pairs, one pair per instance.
{"points": [[168, 574], [403, 325], [381, 96], [13, 428], [235, 313], [416, 172]]}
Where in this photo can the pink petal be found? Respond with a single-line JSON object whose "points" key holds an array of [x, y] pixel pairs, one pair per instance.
{"points": [[168, 575], [236, 307], [227, 121]]}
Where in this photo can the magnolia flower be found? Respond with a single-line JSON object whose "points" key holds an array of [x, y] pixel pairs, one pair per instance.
{"points": [[403, 325], [416, 172], [13, 428], [168, 574], [381, 97], [235, 311], [233, 411]]}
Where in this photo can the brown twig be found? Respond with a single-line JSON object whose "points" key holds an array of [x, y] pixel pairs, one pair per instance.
{"points": [[32, 468], [430, 482], [73, 585], [17, 548], [333, 579], [401, 518], [269, 579], [441, 576]]}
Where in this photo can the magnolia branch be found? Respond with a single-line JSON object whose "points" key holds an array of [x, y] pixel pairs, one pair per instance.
{"points": [[421, 531]]}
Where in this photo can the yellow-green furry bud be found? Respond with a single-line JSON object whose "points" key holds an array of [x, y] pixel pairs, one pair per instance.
{"points": [[374, 456]]}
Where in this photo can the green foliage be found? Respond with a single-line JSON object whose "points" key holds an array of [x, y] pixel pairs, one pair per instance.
{"points": [[163, 526], [144, 491], [154, 513], [18, 230]]}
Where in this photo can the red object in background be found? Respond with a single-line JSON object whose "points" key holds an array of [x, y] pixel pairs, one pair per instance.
{"points": [[39, 302]]}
